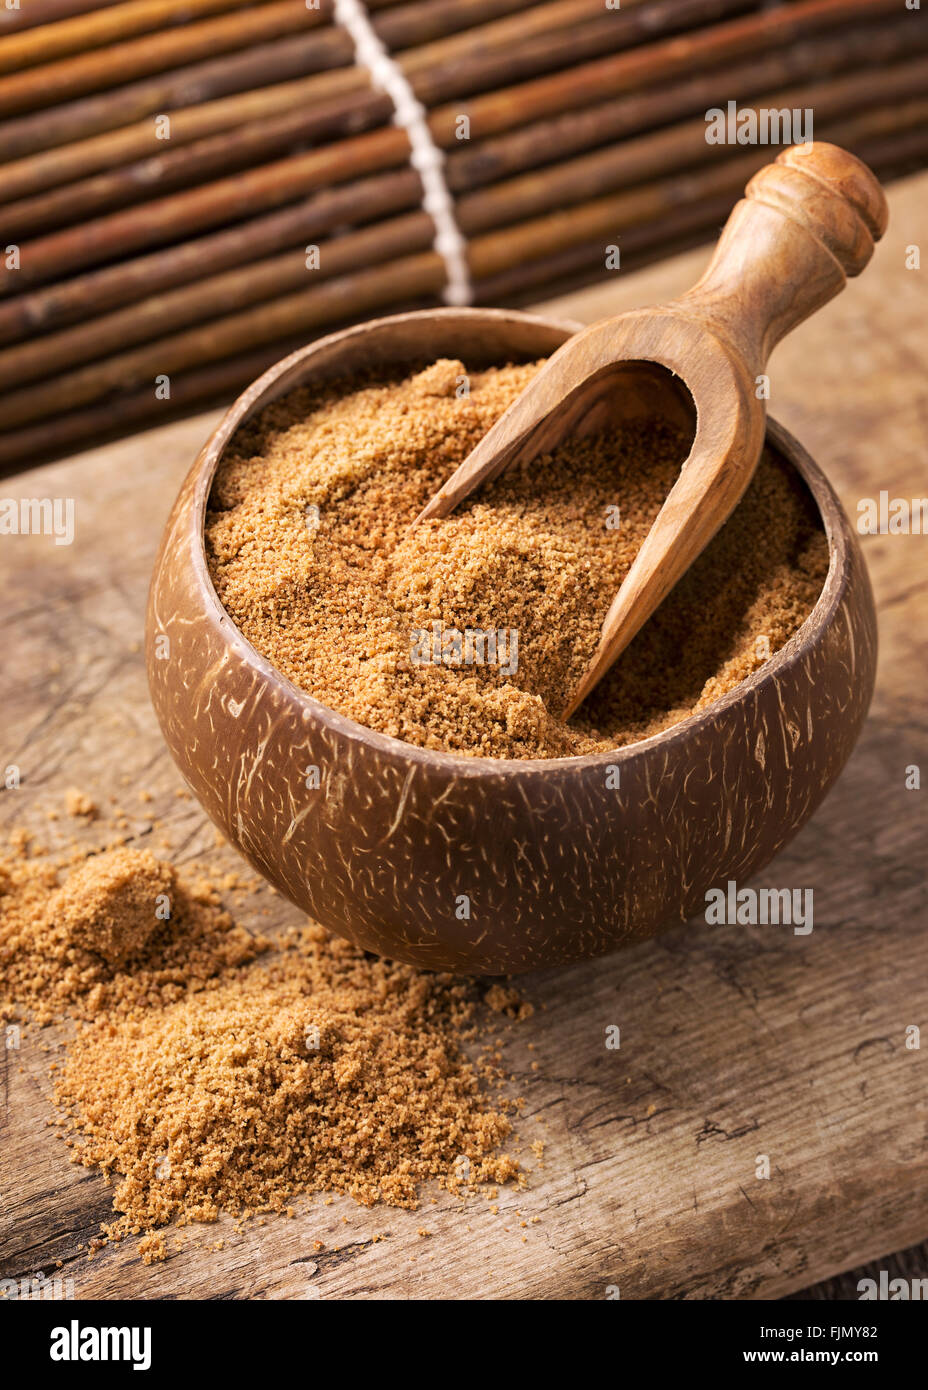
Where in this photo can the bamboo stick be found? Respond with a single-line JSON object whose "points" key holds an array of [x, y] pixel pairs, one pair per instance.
{"points": [[409, 24], [34, 173], [652, 64], [675, 148], [217, 155], [494, 252], [881, 125], [75, 35], [274, 62], [348, 295], [169, 218], [218, 381], [489, 255], [677, 227], [296, 56], [74, 25], [682, 146], [210, 297], [176, 215], [424, 21], [97, 70], [895, 153], [232, 76], [554, 16], [436, 73], [68, 163], [540, 142], [47, 12], [214, 384], [128, 281], [221, 154], [122, 283], [887, 156], [114, 66], [603, 219]]}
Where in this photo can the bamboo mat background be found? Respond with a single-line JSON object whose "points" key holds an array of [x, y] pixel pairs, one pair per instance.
{"points": [[166, 164]]}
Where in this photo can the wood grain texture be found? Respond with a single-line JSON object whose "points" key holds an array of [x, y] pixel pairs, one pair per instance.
{"points": [[735, 1041]]}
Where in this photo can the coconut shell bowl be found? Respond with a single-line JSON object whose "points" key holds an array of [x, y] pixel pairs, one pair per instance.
{"points": [[558, 862]]}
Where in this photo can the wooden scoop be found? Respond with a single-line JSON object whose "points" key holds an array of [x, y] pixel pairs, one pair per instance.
{"points": [[806, 222]]}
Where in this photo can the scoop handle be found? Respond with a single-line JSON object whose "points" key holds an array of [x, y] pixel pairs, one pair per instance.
{"points": [[806, 222]]}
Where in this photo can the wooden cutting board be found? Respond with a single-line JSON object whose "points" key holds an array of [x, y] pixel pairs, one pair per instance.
{"points": [[735, 1042]]}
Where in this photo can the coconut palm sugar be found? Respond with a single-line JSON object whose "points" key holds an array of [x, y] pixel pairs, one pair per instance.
{"points": [[323, 1070], [214, 1070], [123, 929], [469, 633], [109, 906]]}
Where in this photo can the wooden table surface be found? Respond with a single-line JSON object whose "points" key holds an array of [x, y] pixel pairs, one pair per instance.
{"points": [[735, 1042]]}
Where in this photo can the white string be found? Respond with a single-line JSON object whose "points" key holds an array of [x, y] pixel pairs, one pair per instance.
{"points": [[426, 158]]}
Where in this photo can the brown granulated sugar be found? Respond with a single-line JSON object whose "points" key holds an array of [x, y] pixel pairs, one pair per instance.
{"points": [[109, 905], [122, 930], [216, 1071], [309, 549], [323, 1070]]}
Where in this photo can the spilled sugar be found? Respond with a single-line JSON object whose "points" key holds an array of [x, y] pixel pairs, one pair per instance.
{"points": [[215, 1071]]}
